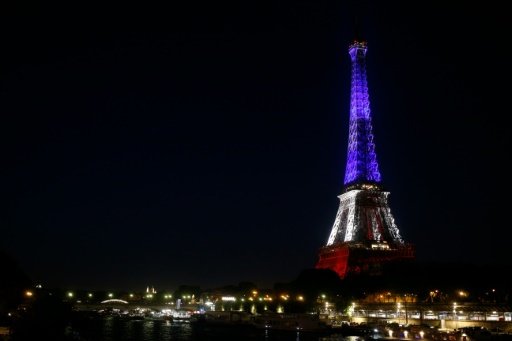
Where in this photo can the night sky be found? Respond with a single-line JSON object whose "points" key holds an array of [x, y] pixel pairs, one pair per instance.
{"points": [[205, 144]]}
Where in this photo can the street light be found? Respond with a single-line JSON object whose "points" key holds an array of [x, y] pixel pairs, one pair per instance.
{"points": [[455, 315]]}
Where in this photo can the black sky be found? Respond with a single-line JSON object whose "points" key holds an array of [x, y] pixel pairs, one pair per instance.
{"points": [[205, 143]]}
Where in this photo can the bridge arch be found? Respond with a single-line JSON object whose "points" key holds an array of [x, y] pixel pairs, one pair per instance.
{"points": [[114, 300]]}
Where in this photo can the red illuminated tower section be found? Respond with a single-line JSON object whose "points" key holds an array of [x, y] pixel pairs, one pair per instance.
{"points": [[364, 234]]}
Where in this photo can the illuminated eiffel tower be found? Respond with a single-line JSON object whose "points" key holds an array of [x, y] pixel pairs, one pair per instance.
{"points": [[364, 234]]}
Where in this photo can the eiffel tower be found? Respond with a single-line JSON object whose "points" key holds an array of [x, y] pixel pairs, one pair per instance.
{"points": [[364, 234]]}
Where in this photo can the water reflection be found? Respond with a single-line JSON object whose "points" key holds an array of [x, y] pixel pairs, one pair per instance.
{"points": [[114, 329]]}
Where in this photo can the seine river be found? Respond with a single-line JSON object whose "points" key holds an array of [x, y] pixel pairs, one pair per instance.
{"points": [[112, 329], [115, 329]]}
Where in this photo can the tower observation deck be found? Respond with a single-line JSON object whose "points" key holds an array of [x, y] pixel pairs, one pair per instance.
{"points": [[364, 234]]}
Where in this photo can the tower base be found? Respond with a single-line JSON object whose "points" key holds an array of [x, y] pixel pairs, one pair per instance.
{"points": [[348, 259]]}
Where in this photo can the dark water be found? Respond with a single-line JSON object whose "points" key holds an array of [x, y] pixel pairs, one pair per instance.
{"points": [[115, 329], [112, 329]]}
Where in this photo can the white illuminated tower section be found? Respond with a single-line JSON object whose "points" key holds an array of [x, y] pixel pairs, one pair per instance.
{"points": [[364, 234]]}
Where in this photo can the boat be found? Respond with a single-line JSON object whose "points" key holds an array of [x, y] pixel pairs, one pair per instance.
{"points": [[136, 316], [181, 315]]}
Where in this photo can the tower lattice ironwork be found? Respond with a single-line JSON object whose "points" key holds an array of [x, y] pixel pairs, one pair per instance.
{"points": [[364, 234]]}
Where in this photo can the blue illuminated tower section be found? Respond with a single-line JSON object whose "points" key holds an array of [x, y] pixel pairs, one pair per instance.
{"points": [[362, 164], [364, 234]]}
